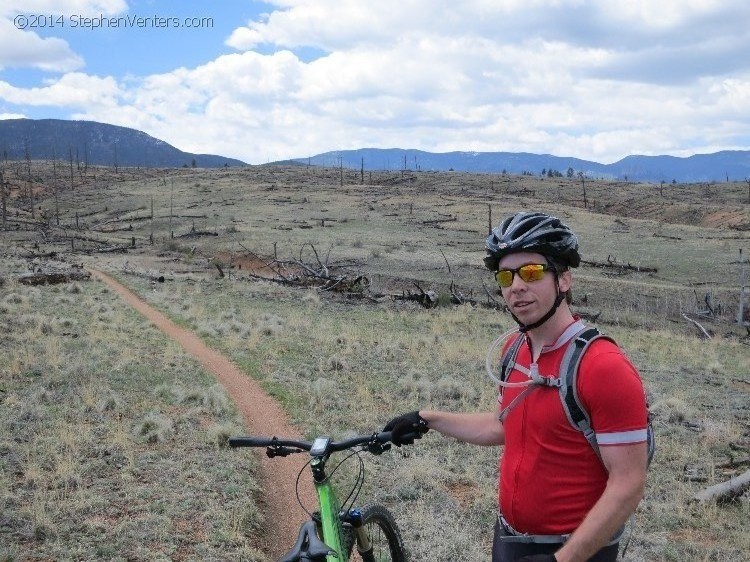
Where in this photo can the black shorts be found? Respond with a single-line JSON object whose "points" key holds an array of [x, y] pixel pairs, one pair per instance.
{"points": [[509, 551]]}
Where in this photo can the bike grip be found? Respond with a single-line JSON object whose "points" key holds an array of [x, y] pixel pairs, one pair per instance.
{"points": [[409, 438], [384, 436], [249, 442]]}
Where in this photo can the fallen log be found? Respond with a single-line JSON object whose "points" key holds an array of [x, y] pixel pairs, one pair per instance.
{"points": [[438, 221], [610, 263], [726, 490], [52, 277], [706, 335]]}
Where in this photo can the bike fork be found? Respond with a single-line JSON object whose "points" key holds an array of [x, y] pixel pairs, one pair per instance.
{"points": [[354, 518]]}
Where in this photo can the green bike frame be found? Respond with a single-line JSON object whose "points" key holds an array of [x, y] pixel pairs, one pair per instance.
{"points": [[330, 508]]}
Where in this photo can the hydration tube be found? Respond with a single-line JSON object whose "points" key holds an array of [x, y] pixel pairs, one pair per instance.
{"points": [[492, 354]]}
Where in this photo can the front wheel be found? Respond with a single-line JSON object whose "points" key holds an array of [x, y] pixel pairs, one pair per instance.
{"points": [[383, 536]]}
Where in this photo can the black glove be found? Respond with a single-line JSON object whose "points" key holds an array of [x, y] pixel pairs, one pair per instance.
{"points": [[538, 558], [406, 428]]}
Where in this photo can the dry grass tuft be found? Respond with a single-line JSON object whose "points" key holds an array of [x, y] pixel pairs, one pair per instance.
{"points": [[155, 428], [673, 410]]}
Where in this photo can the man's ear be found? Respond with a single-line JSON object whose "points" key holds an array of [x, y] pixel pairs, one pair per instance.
{"points": [[564, 280]]}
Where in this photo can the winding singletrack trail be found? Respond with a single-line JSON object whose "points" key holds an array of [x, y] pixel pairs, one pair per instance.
{"points": [[262, 415]]}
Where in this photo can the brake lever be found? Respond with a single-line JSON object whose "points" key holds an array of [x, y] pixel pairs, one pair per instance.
{"points": [[279, 451], [377, 448]]}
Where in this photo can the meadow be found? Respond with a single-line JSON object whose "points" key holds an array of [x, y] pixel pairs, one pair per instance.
{"points": [[113, 440]]}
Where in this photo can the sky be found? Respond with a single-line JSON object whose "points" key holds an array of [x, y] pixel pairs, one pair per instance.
{"points": [[265, 81]]}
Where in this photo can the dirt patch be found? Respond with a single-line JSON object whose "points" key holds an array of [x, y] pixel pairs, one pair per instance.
{"points": [[262, 416]]}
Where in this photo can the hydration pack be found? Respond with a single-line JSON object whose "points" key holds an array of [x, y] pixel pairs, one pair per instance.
{"points": [[574, 410]]}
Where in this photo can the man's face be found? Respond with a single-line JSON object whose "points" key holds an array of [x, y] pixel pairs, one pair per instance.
{"points": [[530, 301]]}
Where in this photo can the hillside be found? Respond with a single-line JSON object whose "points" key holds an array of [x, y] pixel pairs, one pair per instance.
{"points": [[316, 282], [717, 167], [96, 143]]}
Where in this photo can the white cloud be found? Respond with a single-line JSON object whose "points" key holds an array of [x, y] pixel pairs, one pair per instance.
{"points": [[568, 77], [26, 49], [74, 90], [22, 47]]}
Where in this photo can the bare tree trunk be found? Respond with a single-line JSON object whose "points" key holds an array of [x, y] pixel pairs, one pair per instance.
{"points": [[732, 487], [54, 186], [151, 237], [741, 309], [2, 191], [70, 151], [29, 186], [583, 185], [171, 200]]}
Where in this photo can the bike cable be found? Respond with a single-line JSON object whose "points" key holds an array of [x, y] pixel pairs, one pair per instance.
{"points": [[296, 488], [357, 487]]}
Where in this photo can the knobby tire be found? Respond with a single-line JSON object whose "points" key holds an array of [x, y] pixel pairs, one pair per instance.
{"points": [[384, 535]]}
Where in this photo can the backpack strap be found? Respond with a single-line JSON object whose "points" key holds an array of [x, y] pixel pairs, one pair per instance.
{"points": [[577, 415], [509, 358], [507, 364]]}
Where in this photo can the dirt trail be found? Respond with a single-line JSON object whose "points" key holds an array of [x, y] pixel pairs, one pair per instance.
{"points": [[262, 416]]}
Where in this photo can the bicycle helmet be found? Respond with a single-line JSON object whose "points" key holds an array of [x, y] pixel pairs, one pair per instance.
{"points": [[539, 233], [532, 232]]}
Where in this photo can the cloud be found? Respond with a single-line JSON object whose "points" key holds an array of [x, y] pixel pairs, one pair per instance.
{"points": [[22, 47], [26, 49], [74, 90], [567, 77]]}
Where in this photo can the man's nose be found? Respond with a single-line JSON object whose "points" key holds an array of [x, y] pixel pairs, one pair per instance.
{"points": [[517, 283]]}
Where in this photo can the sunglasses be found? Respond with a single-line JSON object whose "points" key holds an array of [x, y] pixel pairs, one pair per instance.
{"points": [[528, 273]]}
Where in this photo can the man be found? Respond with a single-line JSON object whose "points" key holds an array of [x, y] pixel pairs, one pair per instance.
{"points": [[558, 500]]}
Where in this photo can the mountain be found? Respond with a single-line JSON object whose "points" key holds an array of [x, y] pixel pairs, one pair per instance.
{"points": [[97, 144], [719, 166]]}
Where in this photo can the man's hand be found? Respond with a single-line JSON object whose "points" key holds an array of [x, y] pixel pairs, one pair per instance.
{"points": [[538, 558], [405, 428]]}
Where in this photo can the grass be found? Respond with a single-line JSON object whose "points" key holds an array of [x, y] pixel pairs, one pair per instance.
{"points": [[340, 365], [97, 459], [388, 360]]}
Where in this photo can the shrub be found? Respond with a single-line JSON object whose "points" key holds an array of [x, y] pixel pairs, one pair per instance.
{"points": [[154, 428]]}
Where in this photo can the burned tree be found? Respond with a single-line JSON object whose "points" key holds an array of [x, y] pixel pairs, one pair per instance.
{"points": [[3, 185], [29, 186], [582, 177]]}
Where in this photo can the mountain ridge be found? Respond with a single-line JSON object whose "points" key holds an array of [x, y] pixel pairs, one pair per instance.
{"points": [[97, 143], [732, 165]]}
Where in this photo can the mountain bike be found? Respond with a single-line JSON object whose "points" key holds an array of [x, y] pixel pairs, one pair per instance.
{"points": [[332, 532]]}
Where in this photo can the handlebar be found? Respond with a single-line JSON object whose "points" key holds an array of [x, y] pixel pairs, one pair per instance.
{"points": [[375, 443]]}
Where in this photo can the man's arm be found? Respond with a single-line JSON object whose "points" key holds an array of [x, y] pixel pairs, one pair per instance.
{"points": [[482, 428], [626, 465]]}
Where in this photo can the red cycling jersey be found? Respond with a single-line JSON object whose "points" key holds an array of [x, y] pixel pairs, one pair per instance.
{"points": [[550, 477]]}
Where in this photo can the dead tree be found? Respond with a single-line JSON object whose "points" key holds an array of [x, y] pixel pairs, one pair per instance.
{"points": [[29, 185], [726, 490], [582, 176], [70, 153], [3, 184], [54, 186]]}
